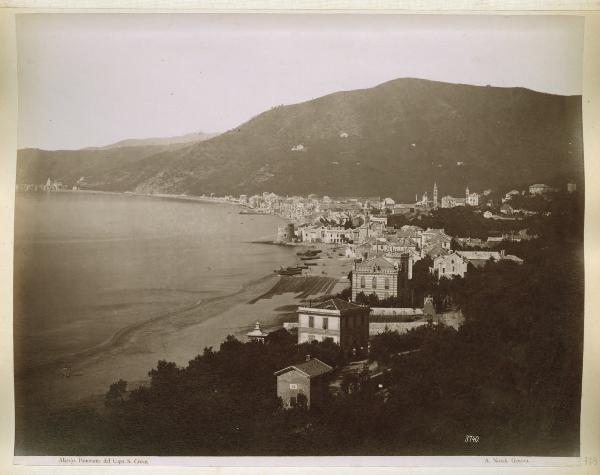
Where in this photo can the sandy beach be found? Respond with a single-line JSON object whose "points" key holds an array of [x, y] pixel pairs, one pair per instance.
{"points": [[179, 336]]}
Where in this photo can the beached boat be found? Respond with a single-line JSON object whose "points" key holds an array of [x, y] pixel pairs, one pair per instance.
{"points": [[289, 271]]}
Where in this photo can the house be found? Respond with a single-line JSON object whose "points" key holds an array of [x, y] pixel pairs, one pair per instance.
{"points": [[480, 258], [364, 250], [471, 199], [394, 245], [451, 202], [450, 265], [435, 242], [404, 208], [540, 189], [469, 242], [510, 195], [408, 228], [306, 380], [438, 246], [494, 240], [346, 323], [380, 276], [430, 234]]}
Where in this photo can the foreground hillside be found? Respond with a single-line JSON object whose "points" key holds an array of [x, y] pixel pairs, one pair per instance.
{"points": [[394, 139]]}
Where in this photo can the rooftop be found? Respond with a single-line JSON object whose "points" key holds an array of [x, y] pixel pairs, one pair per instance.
{"points": [[311, 368], [336, 304], [376, 263], [480, 255]]}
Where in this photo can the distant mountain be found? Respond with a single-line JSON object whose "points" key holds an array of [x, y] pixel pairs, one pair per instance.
{"points": [[177, 140], [94, 164], [394, 140]]}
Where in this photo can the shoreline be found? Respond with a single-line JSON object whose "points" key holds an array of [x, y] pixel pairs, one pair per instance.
{"points": [[146, 342], [176, 336]]}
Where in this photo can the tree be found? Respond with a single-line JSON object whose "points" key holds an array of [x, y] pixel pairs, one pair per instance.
{"points": [[116, 393]]}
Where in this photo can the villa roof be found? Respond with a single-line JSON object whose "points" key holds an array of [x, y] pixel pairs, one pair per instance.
{"points": [[480, 255], [311, 368], [379, 263], [336, 304]]}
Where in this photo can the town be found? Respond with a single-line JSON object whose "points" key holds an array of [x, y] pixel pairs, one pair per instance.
{"points": [[383, 254]]}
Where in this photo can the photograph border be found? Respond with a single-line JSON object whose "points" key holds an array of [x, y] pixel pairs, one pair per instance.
{"points": [[590, 420]]}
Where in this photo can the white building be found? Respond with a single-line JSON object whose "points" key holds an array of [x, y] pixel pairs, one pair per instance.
{"points": [[449, 266], [346, 323], [540, 189]]}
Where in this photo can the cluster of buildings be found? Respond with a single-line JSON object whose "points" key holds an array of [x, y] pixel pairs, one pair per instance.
{"points": [[50, 185], [447, 201], [344, 323], [456, 263]]}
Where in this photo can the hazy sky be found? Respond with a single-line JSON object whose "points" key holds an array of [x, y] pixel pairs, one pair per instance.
{"points": [[87, 80]]}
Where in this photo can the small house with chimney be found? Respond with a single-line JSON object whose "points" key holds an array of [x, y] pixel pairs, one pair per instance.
{"points": [[305, 382]]}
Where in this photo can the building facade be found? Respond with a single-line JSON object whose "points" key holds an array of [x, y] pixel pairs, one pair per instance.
{"points": [[381, 276], [306, 381], [346, 323], [540, 189], [450, 265]]}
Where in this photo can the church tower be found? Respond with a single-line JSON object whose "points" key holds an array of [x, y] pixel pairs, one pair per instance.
{"points": [[435, 195], [467, 193]]}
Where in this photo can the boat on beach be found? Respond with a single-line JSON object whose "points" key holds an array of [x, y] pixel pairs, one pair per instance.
{"points": [[290, 270]]}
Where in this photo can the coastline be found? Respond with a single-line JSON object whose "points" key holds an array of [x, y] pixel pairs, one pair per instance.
{"points": [[133, 351], [176, 335]]}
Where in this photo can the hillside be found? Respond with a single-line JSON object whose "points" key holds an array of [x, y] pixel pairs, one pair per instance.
{"points": [[391, 140]]}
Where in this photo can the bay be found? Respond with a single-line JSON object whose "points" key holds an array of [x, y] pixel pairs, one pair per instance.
{"points": [[89, 264]]}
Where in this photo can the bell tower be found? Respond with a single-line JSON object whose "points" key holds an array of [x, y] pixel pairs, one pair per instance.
{"points": [[435, 195]]}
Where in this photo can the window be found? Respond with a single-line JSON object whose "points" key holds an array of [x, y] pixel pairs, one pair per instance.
{"points": [[311, 322], [362, 282], [374, 282], [325, 323], [293, 386], [293, 401], [387, 283]]}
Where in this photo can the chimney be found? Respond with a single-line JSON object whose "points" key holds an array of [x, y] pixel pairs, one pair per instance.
{"points": [[307, 357]]}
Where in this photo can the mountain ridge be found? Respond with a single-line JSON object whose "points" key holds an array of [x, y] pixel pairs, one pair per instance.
{"points": [[394, 139]]}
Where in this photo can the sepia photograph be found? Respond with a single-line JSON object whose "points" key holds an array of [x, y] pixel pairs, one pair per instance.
{"points": [[281, 235]]}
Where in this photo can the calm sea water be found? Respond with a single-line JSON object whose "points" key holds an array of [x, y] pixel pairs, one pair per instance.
{"points": [[87, 265]]}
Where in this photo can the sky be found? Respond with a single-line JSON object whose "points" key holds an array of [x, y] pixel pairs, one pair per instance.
{"points": [[90, 80]]}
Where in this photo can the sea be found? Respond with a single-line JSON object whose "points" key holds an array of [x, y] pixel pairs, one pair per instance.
{"points": [[89, 264]]}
